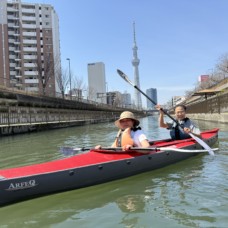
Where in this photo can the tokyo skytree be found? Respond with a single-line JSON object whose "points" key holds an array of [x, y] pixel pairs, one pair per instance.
{"points": [[135, 63]]}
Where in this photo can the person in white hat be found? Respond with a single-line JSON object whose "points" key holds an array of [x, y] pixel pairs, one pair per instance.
{"points": [[130, 134]]}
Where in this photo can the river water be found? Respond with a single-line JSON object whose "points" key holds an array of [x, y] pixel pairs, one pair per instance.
{"points": [[191, 193]]}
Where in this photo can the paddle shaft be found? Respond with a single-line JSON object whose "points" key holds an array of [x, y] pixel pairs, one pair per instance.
{"points": [[133, 149]]}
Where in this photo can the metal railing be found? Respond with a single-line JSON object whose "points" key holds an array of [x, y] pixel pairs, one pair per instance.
{"points": [[14, 115], [215, 104]]}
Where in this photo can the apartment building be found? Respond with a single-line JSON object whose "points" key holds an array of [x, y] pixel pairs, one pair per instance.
{"points": [[29, 47]]}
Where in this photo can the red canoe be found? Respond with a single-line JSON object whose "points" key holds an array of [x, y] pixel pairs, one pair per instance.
{"points": [[93, 167]]}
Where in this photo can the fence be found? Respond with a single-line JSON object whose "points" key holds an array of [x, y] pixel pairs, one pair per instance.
{"points": [[14, 115]]}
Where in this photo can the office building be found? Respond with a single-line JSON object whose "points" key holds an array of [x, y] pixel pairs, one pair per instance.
{"points": [[152, 93], [97, 82], [29, 47], [126, 100]]}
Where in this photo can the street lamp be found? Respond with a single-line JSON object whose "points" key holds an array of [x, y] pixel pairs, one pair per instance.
{"points": [[68, 59]]}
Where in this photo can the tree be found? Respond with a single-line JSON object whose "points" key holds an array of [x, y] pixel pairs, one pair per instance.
{"points": [[62, 79], [45, 67], [222, 65], [78, 86]]}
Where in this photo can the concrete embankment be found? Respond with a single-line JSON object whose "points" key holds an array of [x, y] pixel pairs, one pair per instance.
{"points": [[41, 126], [21, 113]]}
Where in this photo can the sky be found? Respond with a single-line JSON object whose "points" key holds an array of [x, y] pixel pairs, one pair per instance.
{"points": [[178, 40]]}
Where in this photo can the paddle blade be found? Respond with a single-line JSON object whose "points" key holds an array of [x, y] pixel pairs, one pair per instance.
{"points": [[203, 144], [69, 151], [124, 76]]}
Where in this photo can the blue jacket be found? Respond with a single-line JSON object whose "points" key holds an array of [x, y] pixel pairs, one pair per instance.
{"points": [[178, 133]]}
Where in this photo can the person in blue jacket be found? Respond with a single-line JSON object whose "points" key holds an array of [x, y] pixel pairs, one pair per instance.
{"points": [[187, 125]]}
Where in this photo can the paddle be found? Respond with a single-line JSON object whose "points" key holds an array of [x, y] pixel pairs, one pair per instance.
{"points": [[200, 141], [70, 150]]}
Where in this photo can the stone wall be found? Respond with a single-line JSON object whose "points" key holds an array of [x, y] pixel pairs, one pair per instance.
{"points": [[213, 117]]}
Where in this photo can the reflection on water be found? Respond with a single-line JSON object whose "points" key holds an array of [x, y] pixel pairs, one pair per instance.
{"points": [[191, 193]]}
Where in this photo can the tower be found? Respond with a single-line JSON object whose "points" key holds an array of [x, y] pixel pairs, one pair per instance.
{"points": [[135, 63]]}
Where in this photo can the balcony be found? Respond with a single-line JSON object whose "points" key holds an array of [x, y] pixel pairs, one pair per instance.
{"points": [[12, 56], [12, 64], [29, 34], [24, 18], [11, 17], [29, 41], [12, 73], [10, 33], [11, 40], [31, 81], [32, 89], [17, 50], [30, 57], [11, 48], [30, 49], [30, 73], [24, 10], [28, 26], [12, 9], [17, 42], [18, 85], [29, 65]]}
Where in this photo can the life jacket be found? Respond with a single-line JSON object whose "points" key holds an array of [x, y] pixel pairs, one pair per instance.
{"points": [[177, 133], [124, 138]]}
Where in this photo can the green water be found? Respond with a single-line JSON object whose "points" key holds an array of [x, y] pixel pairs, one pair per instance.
{"points": [[191, 193]]}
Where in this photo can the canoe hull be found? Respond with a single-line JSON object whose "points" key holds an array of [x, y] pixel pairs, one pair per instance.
{"points": [[116, 166]]}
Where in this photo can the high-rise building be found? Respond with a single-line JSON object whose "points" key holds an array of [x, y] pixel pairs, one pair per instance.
{"points": [[135, 63], [29, 47], [97, 82], [126, 99], [152, 93]]}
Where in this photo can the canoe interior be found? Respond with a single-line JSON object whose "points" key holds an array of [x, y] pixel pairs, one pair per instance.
{"points": [[93, 158]]}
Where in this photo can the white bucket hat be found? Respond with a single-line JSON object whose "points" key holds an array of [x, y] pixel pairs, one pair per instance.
{"points": [[126, 115]]}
